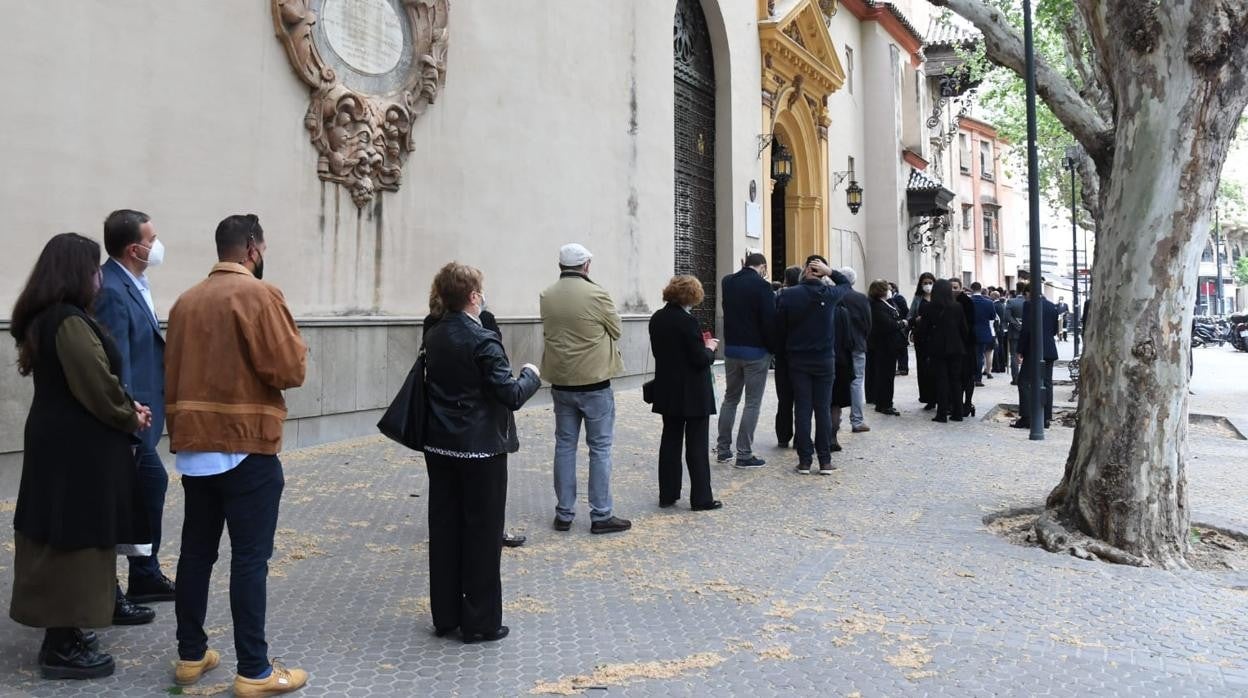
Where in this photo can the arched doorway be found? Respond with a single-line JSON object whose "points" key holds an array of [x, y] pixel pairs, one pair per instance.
{"points": [[695, 153]]}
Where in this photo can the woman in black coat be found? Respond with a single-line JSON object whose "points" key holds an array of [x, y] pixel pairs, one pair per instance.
{"points": [[76, 501], [682, 392], [885, 343], [471, 396], [927, 378], [942, 331]]}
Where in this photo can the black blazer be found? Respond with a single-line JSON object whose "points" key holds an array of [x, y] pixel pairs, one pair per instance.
{"points": [[942, 330], [470, 388], [887, 334], [682, 365], [1049, 323]]}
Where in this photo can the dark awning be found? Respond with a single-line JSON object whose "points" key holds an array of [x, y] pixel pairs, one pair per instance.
{"points": [[925, 196]]}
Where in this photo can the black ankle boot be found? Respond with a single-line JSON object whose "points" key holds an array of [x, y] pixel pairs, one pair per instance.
{"points": [[64, 656]]}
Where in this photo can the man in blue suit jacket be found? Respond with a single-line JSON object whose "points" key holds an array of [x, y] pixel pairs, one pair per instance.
{"points": [[126, 310], [1046, 367], [985, 313]]}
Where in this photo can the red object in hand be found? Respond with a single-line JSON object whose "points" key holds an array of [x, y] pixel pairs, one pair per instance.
{"points": [[707, 336]]}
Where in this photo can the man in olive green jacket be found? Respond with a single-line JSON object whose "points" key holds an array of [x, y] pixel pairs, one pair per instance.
{"points": [[582, 352]]}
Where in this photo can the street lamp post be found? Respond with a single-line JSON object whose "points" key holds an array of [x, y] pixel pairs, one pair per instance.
{"points": [[1072, 164], [1036, 350], [1217, 259]]}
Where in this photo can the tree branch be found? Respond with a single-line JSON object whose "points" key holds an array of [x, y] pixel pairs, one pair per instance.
{"points": [[1004, 45], [1084, 59]]}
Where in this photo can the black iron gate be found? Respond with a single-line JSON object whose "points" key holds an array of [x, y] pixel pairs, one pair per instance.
{"points": [[695, 154]]}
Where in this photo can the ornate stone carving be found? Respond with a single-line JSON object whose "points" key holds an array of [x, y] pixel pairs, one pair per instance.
{"points": [[361, 123]]}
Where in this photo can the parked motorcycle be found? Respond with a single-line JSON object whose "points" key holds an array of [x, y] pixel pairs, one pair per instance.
{"points": [[1237, 332]]}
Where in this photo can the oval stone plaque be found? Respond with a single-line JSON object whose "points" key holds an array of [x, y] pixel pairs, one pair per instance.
{"points": [[366, 34]]}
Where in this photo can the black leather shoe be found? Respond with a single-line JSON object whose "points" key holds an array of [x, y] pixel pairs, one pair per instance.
{"points": [[127, 613], [612, 525], [955, 419], [502, 632], [713, 504], [151, 590], [87, 639], [512, 541], [942, 420], [1020, 424], [667, 503], [443, 632], [1047, 424], [561, 525], [835, 447], [782, 444], [929, 407], [73, 660]]}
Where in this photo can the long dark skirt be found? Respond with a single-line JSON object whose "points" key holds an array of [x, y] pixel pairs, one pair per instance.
{"points": [[927, 377], [62, 588]]}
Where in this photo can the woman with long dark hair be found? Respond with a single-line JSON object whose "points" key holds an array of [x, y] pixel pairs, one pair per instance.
{"points": [[76, 501], [923, 296], [942, 331]]}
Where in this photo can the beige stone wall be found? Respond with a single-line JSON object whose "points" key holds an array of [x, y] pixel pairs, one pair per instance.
{"points": [[556, 124]]}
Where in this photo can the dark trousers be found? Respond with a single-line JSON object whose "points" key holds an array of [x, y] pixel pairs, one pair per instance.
{"points": [[971, 371], [1024, 390], [881, 377], [467, 504], [927, 378], [153, 484], [1011, 341], [246, 500], [694, 432], [903, 359], [948, 372], [784, 397], [812, 394], [1000, 356]]}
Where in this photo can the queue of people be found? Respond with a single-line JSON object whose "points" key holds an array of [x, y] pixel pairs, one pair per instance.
{"points": [[103, 371]]}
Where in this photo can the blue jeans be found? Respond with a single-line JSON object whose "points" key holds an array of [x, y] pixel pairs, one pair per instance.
{"points": [[246, 499], [153, 483], [596, 409], [857, 391], [812, 393]]}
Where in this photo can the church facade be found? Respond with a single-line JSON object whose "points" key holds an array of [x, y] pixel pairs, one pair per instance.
{"points": [[667, 136]]}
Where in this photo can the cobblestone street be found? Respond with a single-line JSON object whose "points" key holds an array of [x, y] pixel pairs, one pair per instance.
{"points": [[879, 581]]}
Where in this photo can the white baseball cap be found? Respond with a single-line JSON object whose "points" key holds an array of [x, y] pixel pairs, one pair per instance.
{"points": [[574, 255]]}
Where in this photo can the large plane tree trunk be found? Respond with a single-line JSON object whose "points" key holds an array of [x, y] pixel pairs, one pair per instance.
{"points": [[1174, 76]]}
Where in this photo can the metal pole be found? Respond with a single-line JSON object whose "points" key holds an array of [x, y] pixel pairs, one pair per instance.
{"points": [[1217, 251], [1072, 159], [1036, 350]]}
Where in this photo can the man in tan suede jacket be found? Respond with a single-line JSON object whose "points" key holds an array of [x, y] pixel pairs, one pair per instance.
{"points": [[231, 349]]}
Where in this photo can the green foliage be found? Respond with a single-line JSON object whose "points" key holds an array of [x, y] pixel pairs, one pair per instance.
{"points": [[1241, 271], [1002, 98]]}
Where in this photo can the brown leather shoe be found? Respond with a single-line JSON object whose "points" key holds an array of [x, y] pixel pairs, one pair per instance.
{"points": [[187, 672]]}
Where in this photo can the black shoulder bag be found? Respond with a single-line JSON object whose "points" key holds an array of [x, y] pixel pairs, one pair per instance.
{"points": [[404, 421]]}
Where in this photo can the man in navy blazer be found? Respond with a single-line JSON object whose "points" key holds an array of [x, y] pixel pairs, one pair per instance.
{"points": [[1046, 367], [126, 310]]}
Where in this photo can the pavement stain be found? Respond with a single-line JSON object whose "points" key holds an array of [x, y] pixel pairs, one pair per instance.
{"points": [[623, 674]]}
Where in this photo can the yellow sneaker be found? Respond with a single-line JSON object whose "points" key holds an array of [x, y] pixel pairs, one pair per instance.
{"points": [[281, 680], [187, 673]]}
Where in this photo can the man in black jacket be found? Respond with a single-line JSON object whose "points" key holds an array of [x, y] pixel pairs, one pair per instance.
{"points": [[805, 316], [749, 312]]}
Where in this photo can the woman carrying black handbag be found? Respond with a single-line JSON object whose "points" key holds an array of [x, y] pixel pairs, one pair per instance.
{"points": [[471, 396]]}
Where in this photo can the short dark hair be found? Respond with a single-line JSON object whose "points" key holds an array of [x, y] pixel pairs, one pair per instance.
{"points": [[814, 257], [121, 229], [65, 272], [792, 276], [755, 259], [1022, 287], [236, 232], [976, 286]]}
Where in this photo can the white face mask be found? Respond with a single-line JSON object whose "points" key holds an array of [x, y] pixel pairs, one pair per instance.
{"points": [[155, 253], [927, 288]]}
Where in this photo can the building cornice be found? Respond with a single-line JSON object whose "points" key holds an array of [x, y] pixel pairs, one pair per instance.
{"points": [[892, 21]]}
